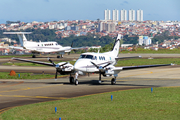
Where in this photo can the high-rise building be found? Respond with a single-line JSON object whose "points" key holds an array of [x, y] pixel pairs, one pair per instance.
{"points": [[131, 15], [107, 14], [123, 15], [107, 26], [140, 15], [115, 15]]}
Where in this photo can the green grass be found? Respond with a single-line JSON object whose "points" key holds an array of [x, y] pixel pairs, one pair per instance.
{"points": [[5, 75], [160, 51], [138, 104], [130, 62], [10, 56]]}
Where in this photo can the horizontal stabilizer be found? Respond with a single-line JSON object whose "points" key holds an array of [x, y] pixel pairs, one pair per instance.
{"points": [[17, 32], [18, 48]]}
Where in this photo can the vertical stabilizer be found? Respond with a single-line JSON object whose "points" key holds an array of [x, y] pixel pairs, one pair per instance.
{"points": [[22, 39], [115, 50]]}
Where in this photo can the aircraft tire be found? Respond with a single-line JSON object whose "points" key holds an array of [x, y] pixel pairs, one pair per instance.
{"points": [[113, 81], [71, 80], [58, 56], [76, 82], [34, 56]]}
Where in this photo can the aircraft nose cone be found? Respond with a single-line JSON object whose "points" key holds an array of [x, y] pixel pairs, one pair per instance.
{"points": [[80, 65]]}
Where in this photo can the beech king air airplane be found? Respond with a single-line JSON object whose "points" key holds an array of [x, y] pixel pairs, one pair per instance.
{"points": [[101, 63], [39, 47]]}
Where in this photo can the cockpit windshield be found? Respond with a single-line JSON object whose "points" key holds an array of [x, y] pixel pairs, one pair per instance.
{"points": [[86, 56]]}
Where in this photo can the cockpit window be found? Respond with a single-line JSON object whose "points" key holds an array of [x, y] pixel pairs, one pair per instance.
{"points": [[86, 56], [82, 56]]}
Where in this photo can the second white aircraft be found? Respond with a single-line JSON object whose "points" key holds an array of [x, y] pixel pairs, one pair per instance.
{"points": [[39, 47]]}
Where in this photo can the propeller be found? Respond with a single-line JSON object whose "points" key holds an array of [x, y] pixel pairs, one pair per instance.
{"points": [[57, 66], [101, 68]]}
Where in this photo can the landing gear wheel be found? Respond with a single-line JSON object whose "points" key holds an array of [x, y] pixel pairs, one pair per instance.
{"points": [[113, 81], [58, 56], [71, 80], [76, 82]]}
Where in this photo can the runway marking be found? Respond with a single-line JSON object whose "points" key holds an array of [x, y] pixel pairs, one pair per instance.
{"points": [[44, 97], [28, 88]]}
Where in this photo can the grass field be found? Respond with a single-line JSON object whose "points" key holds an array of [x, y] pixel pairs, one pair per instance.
{"points": [[138, 104], [5, 75], [160, 51]]}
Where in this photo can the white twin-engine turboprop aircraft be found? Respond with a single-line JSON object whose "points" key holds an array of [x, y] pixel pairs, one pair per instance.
{"points": [[102, 63], [39, 47]]}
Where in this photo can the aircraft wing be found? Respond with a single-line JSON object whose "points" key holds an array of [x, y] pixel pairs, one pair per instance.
{"points": [[139, 67], [128, 57], [37, 62]]}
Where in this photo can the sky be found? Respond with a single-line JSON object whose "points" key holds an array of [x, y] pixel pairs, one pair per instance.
{"points": [[55, 10]]}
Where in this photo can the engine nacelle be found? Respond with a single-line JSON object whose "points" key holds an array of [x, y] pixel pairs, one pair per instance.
{"points": [[65, 68], [109, 72], [81, 73]]}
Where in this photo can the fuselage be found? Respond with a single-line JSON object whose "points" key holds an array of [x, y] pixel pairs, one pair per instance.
{"points": [[101, 59], [45, 47]]}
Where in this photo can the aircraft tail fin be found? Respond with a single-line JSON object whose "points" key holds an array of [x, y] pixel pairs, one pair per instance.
{"points": [[116, 46], [21, 36]]}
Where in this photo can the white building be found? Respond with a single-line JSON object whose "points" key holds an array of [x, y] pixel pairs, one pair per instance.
{"points": [[140, 15], [131, 15], [144, 40], [107, 14], [115, 15], [123, 15]]}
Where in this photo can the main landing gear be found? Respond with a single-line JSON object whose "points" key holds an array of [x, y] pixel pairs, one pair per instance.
{"points": [[113, 81], [60, 56], [75, 81], [71, 79]]}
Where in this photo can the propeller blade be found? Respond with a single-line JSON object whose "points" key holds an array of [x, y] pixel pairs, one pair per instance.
{"points": [[64, 64], [56, 75], [106, 65], [95, 65], [51, 61]]}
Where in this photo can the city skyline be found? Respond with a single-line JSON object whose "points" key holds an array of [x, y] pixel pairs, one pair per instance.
{"points": [[55, 10]]}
